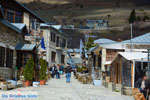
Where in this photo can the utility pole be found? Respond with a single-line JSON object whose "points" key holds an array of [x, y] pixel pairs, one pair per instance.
{"points": [[148, 62], [35, 31], [131, 37]]}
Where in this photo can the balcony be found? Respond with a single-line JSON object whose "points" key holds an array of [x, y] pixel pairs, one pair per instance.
{"points": [[60, 46]]}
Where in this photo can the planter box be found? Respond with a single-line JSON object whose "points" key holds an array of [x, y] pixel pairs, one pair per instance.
{"points": [[126, 91]]}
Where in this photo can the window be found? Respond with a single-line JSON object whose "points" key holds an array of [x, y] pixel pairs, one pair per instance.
{"points": [[10, 15], [9, 58], [2, 56], [53, 56], [57, 43], [18, 17], [62, 58], [63, 42], [53, 36]]}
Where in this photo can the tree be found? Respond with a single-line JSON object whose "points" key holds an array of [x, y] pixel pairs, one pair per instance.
{"points": [[29, 70], [138, 18], [83, 53], [108, 16], [145, 18], [43, 64], [90, 44], [132, 17]]}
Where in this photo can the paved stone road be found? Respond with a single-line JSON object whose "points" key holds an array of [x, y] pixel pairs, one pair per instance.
{"points": [[58, 89]]}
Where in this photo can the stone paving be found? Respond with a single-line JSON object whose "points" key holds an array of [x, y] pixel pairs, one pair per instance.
{"points": [[58, 89]]}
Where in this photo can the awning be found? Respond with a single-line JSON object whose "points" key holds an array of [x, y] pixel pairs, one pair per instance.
{"points": [[2, 44], [25, 47]]}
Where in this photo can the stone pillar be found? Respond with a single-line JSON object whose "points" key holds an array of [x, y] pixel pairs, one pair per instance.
{"points": [[103, 59]]}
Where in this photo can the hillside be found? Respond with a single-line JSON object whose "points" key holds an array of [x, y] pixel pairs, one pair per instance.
{"points": [[75, 12]]}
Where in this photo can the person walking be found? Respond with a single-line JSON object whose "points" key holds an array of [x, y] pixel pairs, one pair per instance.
{"points": [[53, 69], [68, 73], [61, 69], [57, 71]]}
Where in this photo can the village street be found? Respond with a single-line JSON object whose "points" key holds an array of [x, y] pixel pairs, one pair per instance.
{"points": [[58, 89]]}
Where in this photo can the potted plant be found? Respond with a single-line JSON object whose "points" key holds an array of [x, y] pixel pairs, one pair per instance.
{"points": [[29, 72], [43, 71]]}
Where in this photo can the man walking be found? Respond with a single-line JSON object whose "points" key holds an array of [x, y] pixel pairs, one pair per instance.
{"points": [[144, 85], [68, 73]]}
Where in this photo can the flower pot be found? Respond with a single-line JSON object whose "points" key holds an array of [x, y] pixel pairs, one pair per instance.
{"points": [[42, 82], [27, 83]]}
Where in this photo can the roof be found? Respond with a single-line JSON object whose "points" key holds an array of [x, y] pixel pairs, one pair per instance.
{"points": [[143, 39], [25, 47], [19, 25], [8, 24], [58, 27], [131, 55], [98, 21], [104, 41], [75, 60], [73, 50], [115, 45]]}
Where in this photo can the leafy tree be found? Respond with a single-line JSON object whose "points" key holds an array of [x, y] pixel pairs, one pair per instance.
{"points": [[29, 70], [90, 44], [83, 53], [145, 18], [43, 64], [138, 18], [108, 15], [132, 17]]}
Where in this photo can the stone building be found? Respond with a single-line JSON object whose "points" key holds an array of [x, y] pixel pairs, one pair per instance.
{"points": [[10, 36], [55, 43], [19, 24]]}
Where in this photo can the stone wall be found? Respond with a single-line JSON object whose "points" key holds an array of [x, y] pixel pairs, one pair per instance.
{"points": [[10, 38]]}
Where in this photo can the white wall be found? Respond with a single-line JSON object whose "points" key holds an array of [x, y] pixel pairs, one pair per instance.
{"points": [[103, 59], [26, 19], [51, 46]]}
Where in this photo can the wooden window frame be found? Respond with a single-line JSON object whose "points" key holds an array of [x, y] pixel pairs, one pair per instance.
{"points": [[9, 58], [2, 56]]}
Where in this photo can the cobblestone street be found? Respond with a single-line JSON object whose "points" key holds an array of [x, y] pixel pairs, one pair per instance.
{"points": [[58, 89]]}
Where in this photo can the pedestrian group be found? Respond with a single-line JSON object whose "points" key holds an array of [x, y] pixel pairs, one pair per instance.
{"points": [[57, 71]]}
